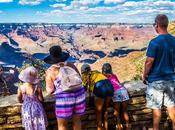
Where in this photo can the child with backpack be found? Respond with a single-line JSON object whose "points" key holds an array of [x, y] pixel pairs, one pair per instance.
{"points": [[98, 84], [120, 97], [64, 80], [30, 95]]}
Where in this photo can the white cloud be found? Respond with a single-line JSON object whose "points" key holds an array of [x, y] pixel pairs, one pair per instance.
{"points": [[5, 1], [60, 0], [85, 5], [137, 4], [58, 5], [113, 1], [147, 7], [1, 12], [85, 2], [68, 8], [30, 2], [147, 13], [57, 11], [164, 3], [75, 4], [158, 3], [80, 4], [126, 11], [101, 9], [89, 2], [84, 8]]}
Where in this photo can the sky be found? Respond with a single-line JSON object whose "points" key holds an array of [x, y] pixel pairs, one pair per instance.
{"points": [[84, 11]]}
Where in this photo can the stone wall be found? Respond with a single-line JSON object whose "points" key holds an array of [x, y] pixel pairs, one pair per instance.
{"points": [[140, 116]]}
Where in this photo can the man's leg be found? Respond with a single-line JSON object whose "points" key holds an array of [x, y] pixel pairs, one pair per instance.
{"points": [[156, 118], [169, 100], [171, 112], [154, 98]]}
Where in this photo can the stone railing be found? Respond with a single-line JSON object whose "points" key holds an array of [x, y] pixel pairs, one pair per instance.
{"points": [[140, 116]]}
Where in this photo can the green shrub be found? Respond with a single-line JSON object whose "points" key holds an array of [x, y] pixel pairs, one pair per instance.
{"points": [[171, 28], [39, 65], [139, 63]]}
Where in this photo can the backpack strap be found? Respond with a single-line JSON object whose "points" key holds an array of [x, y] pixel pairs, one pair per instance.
{"points": [[35, 89], [89, 81]]}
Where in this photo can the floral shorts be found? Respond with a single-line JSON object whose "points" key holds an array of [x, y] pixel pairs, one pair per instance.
{"points": [[160, 93], [120, 95]]}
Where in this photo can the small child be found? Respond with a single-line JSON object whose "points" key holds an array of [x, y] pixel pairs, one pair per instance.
{"points": [[120, 96], [30, 95], [98, 84]]}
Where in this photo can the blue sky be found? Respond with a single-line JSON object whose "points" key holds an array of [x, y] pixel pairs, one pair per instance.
{"points": [[84, 11]]}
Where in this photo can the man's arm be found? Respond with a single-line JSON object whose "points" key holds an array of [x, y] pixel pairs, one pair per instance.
{"points": [[148, 65]]}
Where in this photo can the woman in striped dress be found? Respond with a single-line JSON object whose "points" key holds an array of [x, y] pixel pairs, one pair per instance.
{"points": [[69, 104]]}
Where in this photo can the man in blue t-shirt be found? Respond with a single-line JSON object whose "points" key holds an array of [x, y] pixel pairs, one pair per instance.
{"points": [[159, 72]]}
